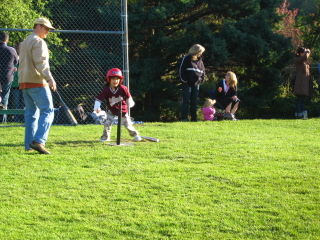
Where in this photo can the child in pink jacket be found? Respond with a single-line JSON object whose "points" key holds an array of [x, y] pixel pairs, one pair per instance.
{"points": [[208, 111]]}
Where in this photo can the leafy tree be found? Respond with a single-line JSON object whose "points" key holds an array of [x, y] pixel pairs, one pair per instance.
{"points": [[17, 14], [310, 27], [305, 7], [288, 26], [304, 30]]}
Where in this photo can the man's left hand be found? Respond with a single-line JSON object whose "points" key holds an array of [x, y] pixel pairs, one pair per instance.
{"points": [[52, 84]]}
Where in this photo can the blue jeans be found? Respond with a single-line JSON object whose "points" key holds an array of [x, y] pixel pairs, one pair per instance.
{"points": [[5, 92], [18, 103], [5, 97], [190, 97], [38, 116], [300, 104]]}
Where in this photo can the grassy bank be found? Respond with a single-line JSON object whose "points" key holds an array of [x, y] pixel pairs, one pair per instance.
{"points": [[251, 179]]}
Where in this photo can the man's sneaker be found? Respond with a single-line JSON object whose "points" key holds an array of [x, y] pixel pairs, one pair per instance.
{"points": [[39, 147], [137, 138]]}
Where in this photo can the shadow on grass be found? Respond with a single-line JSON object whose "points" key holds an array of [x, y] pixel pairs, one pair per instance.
{"points": [[11, 145], [6, 126], [93, 142], [74, 142]]}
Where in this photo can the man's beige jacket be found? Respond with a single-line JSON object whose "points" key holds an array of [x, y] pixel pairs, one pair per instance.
{"points": [[34, 61]]}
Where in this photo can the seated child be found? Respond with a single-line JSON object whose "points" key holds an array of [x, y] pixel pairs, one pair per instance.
{"points": [[208, 111], [113, 93]]}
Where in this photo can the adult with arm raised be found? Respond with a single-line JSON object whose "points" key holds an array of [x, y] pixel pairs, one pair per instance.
{"points": [[303, 83]]}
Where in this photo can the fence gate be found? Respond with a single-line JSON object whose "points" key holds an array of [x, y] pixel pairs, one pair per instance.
{"points": [[87, 43]]}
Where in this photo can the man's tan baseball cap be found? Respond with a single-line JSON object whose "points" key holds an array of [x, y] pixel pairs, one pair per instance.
{"points": [[44, 21]]}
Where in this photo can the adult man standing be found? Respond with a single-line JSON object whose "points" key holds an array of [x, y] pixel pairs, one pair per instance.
{"points": [[35, 81], [8, 58]]}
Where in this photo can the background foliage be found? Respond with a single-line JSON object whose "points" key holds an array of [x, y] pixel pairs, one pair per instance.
{"points": [[239, 36], [250, 38]]}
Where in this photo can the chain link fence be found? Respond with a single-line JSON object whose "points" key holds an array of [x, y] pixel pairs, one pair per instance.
{"points": [[89, 40]]}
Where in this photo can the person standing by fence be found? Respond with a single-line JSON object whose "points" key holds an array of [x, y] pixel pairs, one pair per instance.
{"points": [[8, 58], [303, 83], [35, 80]]}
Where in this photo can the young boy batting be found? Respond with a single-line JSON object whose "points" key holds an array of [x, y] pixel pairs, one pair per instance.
{"points": [[113, 93]]}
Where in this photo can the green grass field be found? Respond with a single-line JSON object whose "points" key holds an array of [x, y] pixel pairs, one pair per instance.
{"points": [[250, 179]]}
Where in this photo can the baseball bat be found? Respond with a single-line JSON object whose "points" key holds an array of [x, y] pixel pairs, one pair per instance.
{"points": [[70, 116], [150, 139]]}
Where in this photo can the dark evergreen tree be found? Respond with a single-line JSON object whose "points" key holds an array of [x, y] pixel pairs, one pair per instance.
{"points": [[238, 36]]}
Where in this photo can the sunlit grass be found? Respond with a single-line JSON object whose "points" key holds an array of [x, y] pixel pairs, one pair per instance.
{"points": [[251, 179]]}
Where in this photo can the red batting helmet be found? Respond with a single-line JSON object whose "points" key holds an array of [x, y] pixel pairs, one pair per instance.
{"points": [[114, 72]]}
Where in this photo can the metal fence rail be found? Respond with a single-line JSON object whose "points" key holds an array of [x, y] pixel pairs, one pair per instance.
{"points": [[81, 56]]}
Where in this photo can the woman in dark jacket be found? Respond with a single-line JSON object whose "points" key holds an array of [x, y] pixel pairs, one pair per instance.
{"points": [[303, 84], [226, 95], [191, 73]]}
